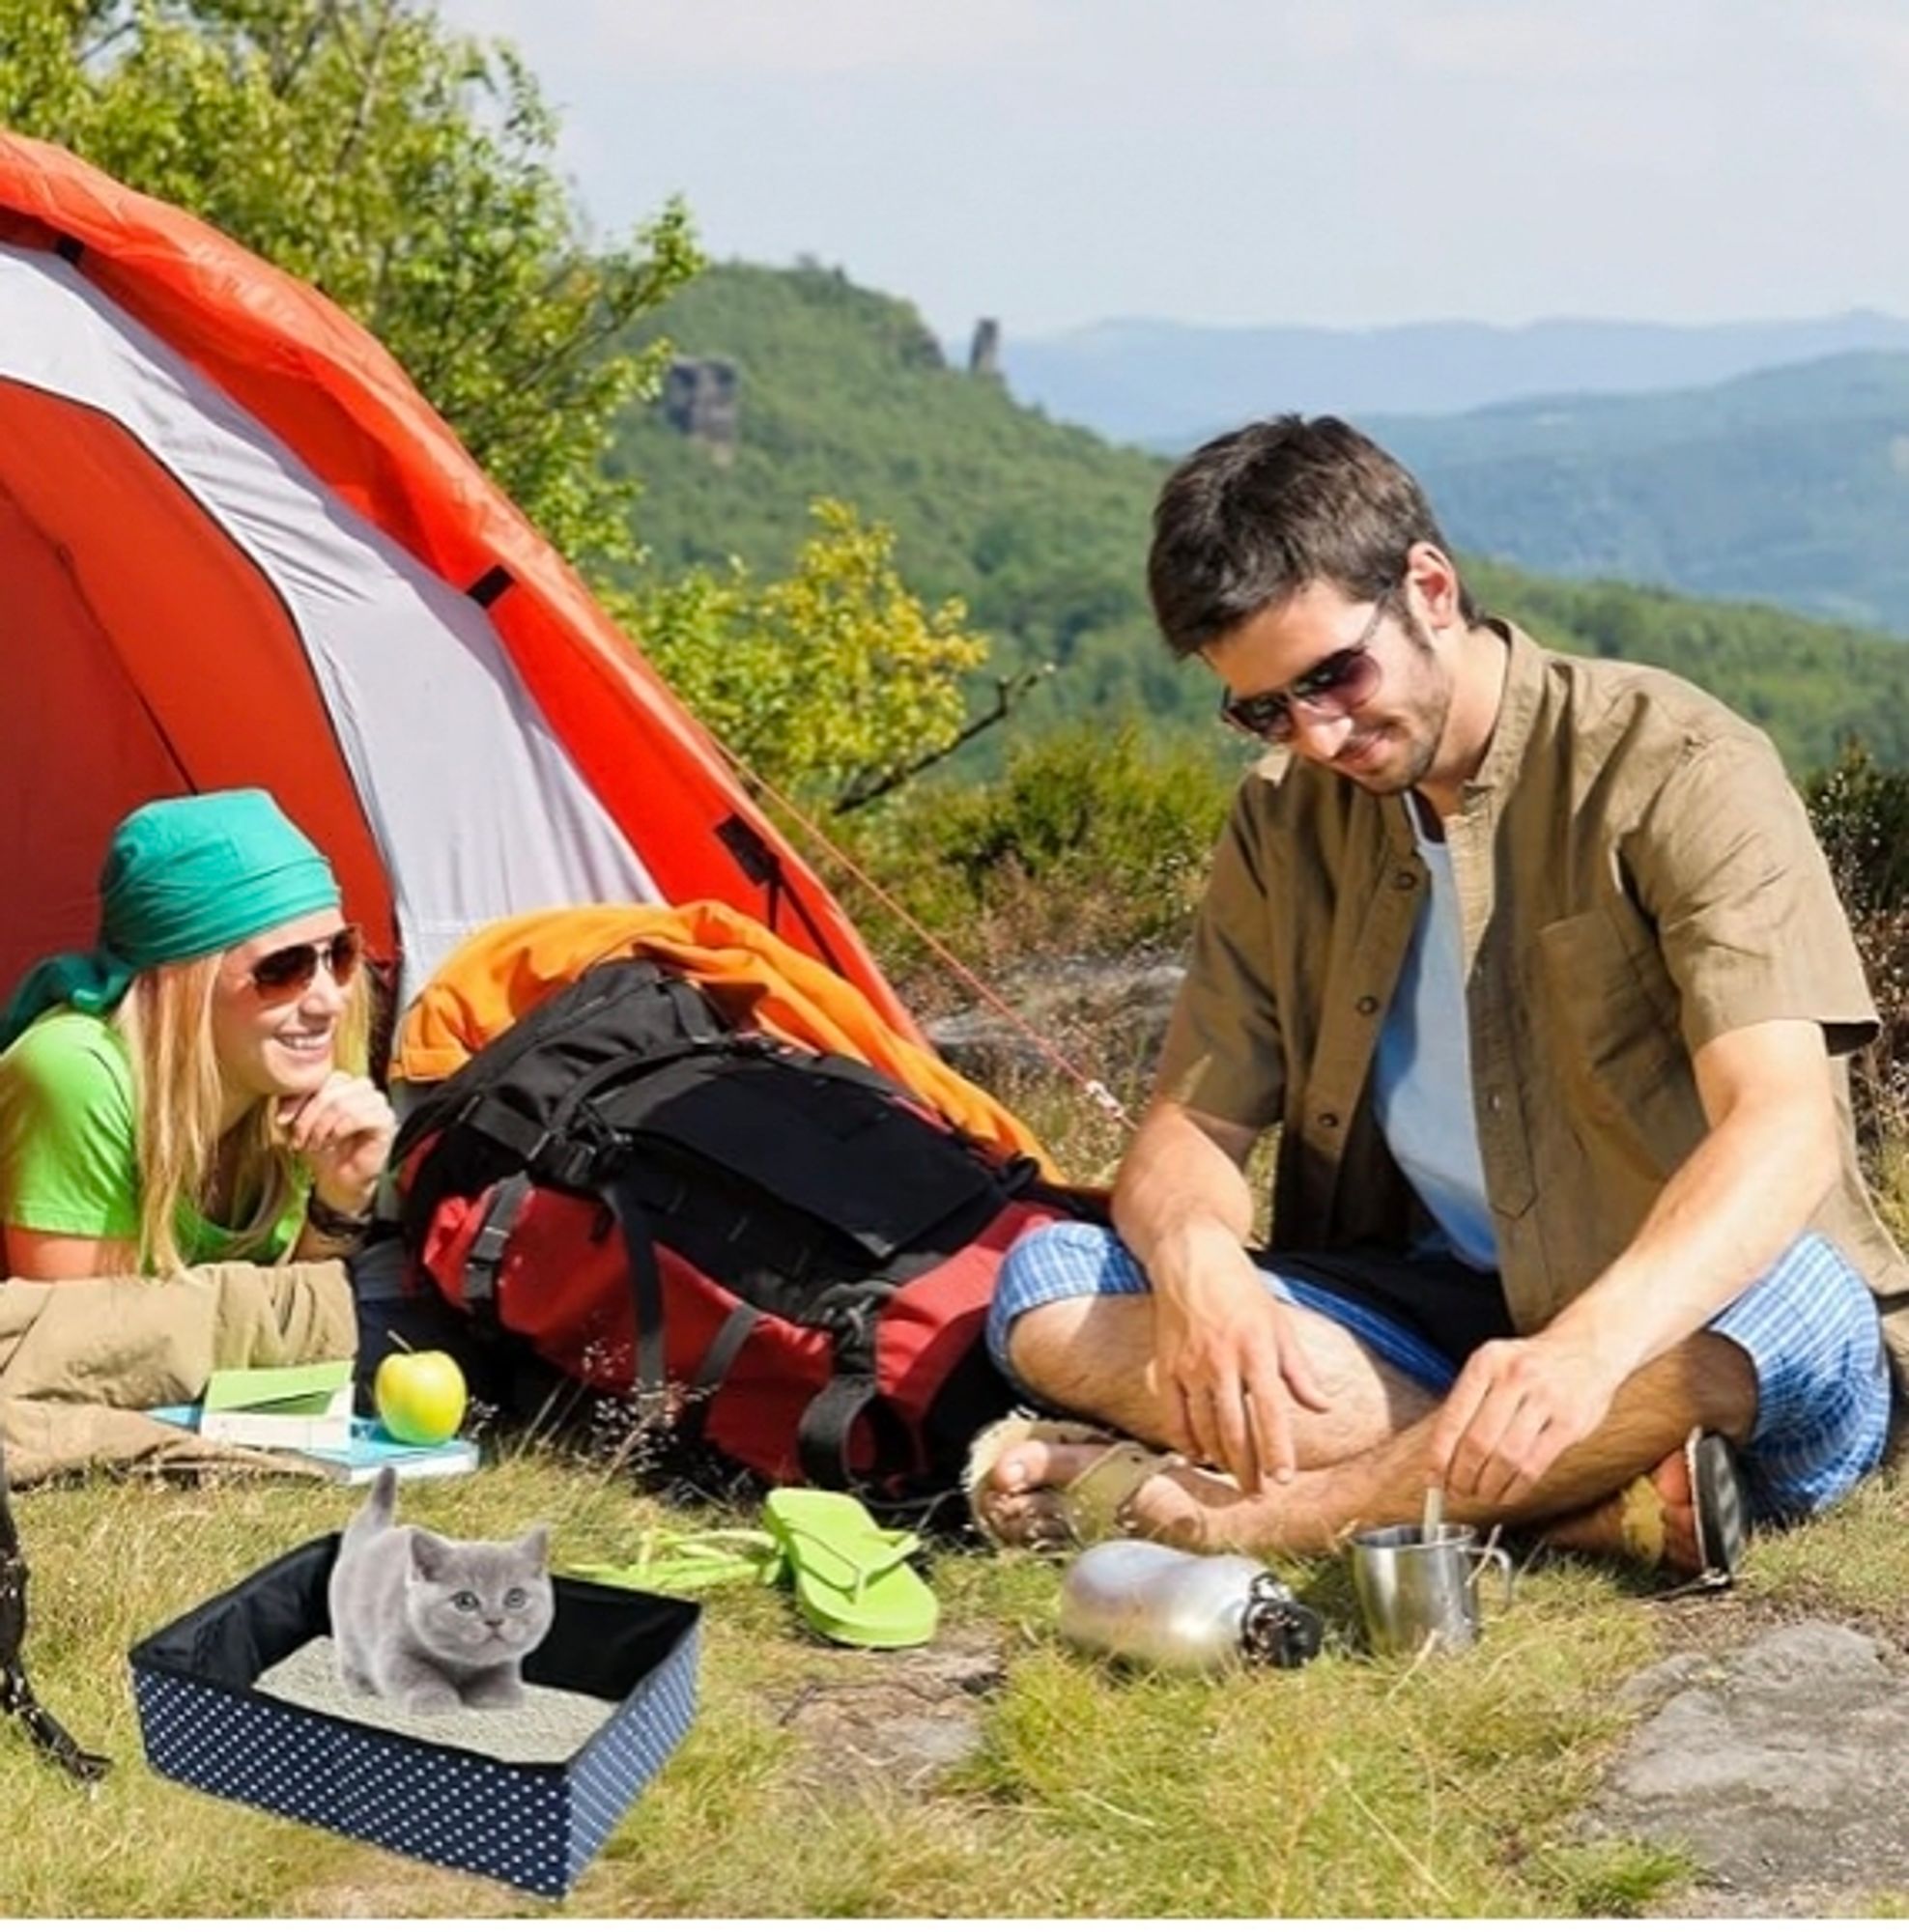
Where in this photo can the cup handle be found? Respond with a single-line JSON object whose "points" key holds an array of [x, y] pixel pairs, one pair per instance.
{"points": [[1501, 1558]]}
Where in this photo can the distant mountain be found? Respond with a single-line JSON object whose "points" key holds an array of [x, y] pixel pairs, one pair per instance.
{"points": [[1790, 486], [1171, 385], [1042, 528]]}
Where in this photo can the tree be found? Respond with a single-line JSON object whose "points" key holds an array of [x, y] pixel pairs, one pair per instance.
{"points": [[833, 683], [404, 170]]}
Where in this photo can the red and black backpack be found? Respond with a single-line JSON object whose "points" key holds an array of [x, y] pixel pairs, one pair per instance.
{"points": [[784, 1252]]}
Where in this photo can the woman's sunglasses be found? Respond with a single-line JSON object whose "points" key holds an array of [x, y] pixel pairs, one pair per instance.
{"points": [[1333, 688], [291, 969]]}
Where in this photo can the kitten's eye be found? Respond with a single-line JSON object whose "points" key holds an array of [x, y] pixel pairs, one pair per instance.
{"points": [[514, 1600], [465, 1599]]}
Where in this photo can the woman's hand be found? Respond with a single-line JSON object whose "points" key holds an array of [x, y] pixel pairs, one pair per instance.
{"points": [[344, 1131]]}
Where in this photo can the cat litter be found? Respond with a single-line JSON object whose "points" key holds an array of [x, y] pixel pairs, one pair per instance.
{"points": [[209, 1721], [549, 1725]]}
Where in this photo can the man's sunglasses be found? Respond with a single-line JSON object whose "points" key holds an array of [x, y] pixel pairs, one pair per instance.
{"points": [[1334, 687], [291, 969]]}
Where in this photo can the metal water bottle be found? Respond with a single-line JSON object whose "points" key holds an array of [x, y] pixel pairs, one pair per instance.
{"points": [[1151, 1605]]}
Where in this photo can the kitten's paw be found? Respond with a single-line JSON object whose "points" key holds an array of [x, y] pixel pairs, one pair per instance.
{"points": [[498, 1694], [430, 1700], [356, 1682]]}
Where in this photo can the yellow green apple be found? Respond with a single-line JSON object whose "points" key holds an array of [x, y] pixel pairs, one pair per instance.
{"points": [[420, 1396]]}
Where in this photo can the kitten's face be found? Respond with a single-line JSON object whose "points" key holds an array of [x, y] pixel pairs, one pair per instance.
{"points": [[479, 1604]]}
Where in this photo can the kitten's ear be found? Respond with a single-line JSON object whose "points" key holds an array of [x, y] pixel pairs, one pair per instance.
{"points": [[535, 1545], [429, 1555]]}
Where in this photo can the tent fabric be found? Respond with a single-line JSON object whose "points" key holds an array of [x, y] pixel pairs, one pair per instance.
{"points": [[512, 966], [402, 673], [241, 549]]}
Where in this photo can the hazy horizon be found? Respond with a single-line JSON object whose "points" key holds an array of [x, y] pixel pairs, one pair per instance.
{"points": [[1243, 163]]}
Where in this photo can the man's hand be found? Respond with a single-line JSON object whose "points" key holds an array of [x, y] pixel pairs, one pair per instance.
{"points": [[1515, 1409], [1226, 1347], [344, 1131]]}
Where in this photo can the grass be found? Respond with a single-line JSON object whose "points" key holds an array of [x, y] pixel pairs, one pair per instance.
{"points": [[1350, 1787]]}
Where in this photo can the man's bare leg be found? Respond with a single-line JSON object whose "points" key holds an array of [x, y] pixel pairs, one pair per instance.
{"points": [[1706, 1382], [1092, 1355]]}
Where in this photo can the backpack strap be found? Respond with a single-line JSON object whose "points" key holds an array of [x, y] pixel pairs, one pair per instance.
{"points": [[651, 1379], [714, 1368], [485, 1256], [852, 1395], [501, 1213]]}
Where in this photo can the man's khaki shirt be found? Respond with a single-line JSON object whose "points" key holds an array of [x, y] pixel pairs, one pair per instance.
{"points": [[1635, 875]]}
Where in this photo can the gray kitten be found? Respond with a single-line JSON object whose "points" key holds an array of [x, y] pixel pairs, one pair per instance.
{"points": [[434, 1624]]}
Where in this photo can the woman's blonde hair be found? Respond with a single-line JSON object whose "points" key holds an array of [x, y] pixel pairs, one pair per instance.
{"points": [[178, 1098]]}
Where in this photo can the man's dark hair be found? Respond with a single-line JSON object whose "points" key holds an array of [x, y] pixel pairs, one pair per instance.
{"points": [[1253, 517]]}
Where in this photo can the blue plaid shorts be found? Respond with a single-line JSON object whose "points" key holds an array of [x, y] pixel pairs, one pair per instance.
{"points": [[1808, 1326]]}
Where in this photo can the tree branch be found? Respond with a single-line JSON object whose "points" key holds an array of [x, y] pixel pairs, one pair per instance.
{"points": [[1007, 692]]}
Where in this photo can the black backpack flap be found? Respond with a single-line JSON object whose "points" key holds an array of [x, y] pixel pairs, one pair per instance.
{"points": [[842, 1148], [621, 1009], [488, 1116]]}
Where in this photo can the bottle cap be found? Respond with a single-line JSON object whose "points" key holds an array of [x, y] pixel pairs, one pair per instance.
{"points": [[1277, 1628]]}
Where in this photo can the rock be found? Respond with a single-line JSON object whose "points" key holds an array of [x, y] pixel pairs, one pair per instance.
{"points": [[1778, 1767], [1109, 1016], [896, 1718]]}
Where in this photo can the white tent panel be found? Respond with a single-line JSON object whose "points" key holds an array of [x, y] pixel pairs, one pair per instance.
{"points": [[476, 807]]}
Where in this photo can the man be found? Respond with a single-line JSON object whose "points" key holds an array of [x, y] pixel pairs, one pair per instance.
{"points": [[1536, 967]]}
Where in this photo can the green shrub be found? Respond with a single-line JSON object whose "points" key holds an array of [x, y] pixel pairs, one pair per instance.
{"points": [[1861, 812], [1091, 842]]}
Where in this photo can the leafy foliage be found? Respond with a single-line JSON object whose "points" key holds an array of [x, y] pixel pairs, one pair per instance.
{"points": [[1039, 531], [1861, 813], [1092, 841], [403, 169], [828, 682]]}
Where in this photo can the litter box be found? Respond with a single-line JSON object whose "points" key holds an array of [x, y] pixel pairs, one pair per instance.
{"points": [[536, 1826]]}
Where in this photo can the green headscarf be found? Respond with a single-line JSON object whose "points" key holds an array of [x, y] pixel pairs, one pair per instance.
{"points": [[184, 877]]}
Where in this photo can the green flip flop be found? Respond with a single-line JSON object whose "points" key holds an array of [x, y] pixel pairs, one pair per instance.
{"points": [[675, 1561], [851, 1576]]}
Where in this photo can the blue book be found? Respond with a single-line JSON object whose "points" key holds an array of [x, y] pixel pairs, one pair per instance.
{"points": [[369, 1450]]}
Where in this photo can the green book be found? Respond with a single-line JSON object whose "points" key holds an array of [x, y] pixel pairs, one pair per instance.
{"points": [[306, 1388], [306, 1406]]}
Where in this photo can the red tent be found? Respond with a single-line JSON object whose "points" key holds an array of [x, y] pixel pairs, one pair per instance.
{"points": [[238, 547]]}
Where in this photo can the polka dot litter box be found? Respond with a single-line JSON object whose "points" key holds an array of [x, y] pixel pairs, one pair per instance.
{"points": [[534, 1825]]}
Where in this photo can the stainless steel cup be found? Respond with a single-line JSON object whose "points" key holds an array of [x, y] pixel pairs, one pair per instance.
{"points": [[1413, 1593]]}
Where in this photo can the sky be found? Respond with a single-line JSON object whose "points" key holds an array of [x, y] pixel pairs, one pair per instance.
{"points": [[1342, 162]]}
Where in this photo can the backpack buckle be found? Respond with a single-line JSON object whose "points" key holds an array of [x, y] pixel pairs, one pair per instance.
{"points": [[580, 1156]]}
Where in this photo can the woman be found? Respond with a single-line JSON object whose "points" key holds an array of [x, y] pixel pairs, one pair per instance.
{"points": [[193, 1089]]}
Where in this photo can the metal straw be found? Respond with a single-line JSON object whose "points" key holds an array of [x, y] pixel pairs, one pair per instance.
{"points": [[1433, 1522]]}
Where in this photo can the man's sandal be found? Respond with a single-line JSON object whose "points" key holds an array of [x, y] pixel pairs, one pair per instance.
{"points": [[1090, 1509], [1719, 1509]]}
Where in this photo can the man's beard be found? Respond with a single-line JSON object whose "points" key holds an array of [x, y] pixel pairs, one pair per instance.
{"points": [[1427, 727]]}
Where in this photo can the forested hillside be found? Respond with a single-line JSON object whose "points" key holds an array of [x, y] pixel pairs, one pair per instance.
{"points": [[1792, 485], [1042, 528]]}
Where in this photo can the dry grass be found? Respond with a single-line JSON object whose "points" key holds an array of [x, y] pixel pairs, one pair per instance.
{"points": [[1349, 1787]]}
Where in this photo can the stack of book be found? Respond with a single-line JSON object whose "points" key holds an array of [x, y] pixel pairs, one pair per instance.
{"points": [[370, 1449], [305, 1407], [305, 1413]]}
